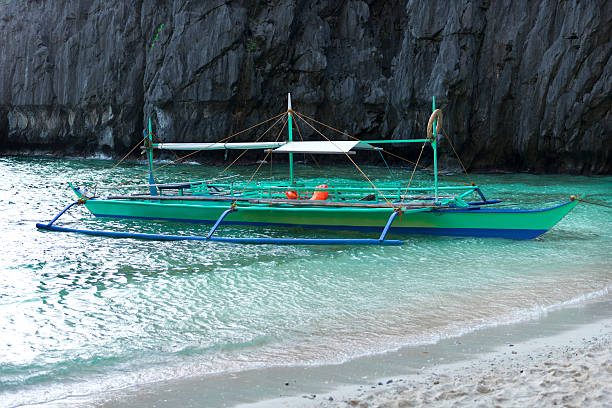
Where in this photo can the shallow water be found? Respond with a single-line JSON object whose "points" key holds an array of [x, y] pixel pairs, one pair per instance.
{"points": [[81, 315]]}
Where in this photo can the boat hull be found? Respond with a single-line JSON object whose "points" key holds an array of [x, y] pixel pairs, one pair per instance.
{"points": [[464, 222]]}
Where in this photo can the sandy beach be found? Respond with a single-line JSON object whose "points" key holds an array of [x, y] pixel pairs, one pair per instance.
{"points": [[564, 359], [577, 374]]}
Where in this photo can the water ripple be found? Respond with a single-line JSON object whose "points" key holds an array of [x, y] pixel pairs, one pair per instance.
{"points": [[82, 314]]}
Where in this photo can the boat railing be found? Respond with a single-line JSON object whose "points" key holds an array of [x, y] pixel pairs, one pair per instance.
{"points": [[336, 193], [344, 192]]}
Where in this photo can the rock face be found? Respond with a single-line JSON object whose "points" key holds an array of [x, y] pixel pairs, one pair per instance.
{"points": [[71, 75], [523, 85]]}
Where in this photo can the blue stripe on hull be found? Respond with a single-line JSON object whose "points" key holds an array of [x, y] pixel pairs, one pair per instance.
{"points": [[476, 232], [451, 232]]}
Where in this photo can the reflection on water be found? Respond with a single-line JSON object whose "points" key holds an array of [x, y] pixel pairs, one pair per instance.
{"points": [[82, 314]]}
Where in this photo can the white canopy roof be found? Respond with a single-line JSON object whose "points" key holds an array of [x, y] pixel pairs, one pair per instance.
{"points": [[319, 147], [323, 147], [218, 146]]}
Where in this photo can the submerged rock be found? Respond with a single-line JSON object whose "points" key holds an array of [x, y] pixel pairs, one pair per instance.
{"points": [[523, 85]]}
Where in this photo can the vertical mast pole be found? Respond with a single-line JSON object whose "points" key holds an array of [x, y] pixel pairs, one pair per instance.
{"points": [[291, 181], [152, 188], [435, 154]]}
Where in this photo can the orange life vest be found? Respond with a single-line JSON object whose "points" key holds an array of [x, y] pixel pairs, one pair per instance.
{"points": [[320, 195]]}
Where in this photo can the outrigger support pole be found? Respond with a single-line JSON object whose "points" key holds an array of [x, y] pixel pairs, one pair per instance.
{"points": [[212, 230], [48, 225], [389, 222]]}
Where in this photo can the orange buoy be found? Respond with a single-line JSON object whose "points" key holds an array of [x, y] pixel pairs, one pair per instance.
{"points": [[320, 195], [292, 195]]}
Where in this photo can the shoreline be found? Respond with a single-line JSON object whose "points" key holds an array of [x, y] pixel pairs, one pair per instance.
{"points": [[450, 371]]}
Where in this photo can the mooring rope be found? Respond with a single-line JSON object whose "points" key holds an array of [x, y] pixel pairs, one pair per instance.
{"points": [[573, 197]]}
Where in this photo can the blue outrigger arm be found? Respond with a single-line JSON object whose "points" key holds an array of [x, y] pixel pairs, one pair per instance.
{"points": [[209, 237]]}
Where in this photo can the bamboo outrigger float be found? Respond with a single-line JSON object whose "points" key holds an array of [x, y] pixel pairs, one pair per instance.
{"points": [[435, 210]]}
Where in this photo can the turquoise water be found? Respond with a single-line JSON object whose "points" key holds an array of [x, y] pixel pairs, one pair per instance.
{"points": [[82, 315]]}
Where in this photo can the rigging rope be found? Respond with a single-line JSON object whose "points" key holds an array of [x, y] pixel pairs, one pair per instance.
{"points": [[349, 157], [245, 150], [198, 176], [117, 164], [384, 151], [278, 118], [413, 170], [312, 155], [424, 167], [260, 163], [388, 168], [458, 158], [198, 151]]}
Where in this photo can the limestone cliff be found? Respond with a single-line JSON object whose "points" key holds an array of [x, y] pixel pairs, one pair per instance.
{"points": [[524, 85]]}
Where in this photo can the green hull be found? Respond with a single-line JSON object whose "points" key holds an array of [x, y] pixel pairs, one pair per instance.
{"points": [[502, 223]]}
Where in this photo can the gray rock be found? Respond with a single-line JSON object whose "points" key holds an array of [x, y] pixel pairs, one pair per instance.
{"points": [[523, 85]]}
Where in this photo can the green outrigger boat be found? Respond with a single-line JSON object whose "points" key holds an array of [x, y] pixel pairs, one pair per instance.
{"points": [[435, 210]]}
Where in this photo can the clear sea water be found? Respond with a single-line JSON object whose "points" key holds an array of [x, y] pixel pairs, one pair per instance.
{"points": [[83, 315]]}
